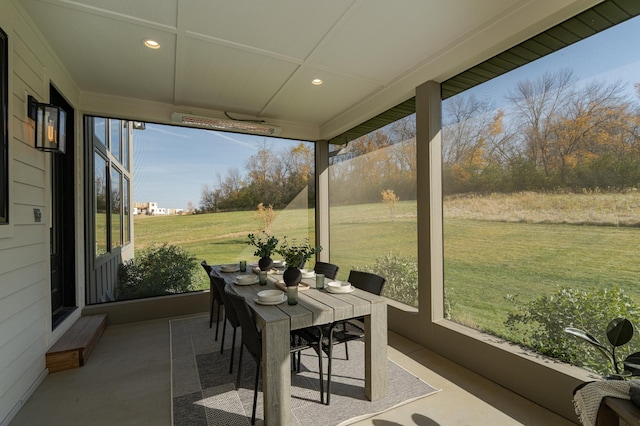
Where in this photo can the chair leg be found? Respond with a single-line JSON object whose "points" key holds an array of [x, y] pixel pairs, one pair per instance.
{"points": [[255, 392], [233, 347], [346, 345], [218, 320], [330, 354], [213, 301], [239, 368], [319, 351], [224, 328]]}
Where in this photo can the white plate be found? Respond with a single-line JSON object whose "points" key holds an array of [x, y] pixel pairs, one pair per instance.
{"points": [[308, 273], [259, 302], [278, 264], [230, 268], [255, 281], [328, 289]]}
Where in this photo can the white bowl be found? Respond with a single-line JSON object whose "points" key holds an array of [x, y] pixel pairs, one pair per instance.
{"points": [[270, 295], [339, 286], [229, 268], [279, 263], [245, 278], [308, 273]]}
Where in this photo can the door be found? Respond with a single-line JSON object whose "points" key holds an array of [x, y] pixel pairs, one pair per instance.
{"points": [[62, 221]]}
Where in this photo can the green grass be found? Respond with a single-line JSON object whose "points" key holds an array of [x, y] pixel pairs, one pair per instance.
{"points": [[485, 260]]}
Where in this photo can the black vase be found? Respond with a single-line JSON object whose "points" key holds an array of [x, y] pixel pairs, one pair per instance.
{"points": [[292, 276], [265, 263]]}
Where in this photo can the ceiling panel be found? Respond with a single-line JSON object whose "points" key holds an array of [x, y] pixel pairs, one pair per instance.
{"points": [[302, 101], [228, 79], [286, 27]]}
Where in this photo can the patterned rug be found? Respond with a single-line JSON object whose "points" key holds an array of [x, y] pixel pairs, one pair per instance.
{"points": [[204, 393]]}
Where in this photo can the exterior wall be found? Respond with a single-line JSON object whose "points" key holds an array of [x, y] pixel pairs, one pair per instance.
{"points": [[25, 300]]}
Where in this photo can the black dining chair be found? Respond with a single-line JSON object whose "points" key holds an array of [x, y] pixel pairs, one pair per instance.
{"points": [[345, 331], [230, 316], [252, 341], [215, 297], [329, 270]]}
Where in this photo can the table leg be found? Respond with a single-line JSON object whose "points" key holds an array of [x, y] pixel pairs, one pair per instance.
{"points": [[276, 373], [375, 358]]}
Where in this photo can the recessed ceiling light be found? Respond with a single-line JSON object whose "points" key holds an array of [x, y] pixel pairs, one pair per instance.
{"points": [[316, 82], [151, 44]]}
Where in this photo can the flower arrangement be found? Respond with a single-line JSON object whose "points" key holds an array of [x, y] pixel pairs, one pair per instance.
{"points": [[296, 254], [265, 244]]}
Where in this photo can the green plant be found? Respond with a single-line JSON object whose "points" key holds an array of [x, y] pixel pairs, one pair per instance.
{"points": [[540, 324], [265, 244], [401, 274], [619, 333], [159, 270], [296, 254]]}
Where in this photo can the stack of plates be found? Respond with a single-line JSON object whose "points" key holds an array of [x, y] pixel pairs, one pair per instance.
{"points": [[308, 273], [339, 287], [278, 264], [270, 297], [246, 279], [233, 267]]}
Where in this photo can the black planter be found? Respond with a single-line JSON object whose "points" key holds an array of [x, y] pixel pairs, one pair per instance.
{"points": [[292, 276], [265, 263]]}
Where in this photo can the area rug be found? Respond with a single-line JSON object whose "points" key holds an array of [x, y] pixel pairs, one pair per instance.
{"points": [[204, 393]]}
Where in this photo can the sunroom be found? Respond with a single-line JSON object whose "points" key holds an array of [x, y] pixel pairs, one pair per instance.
{"points": [[417, 113]]}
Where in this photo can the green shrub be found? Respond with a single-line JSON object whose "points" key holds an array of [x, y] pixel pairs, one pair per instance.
{"points": [[402, 277], [158, 270], [540, 324]]}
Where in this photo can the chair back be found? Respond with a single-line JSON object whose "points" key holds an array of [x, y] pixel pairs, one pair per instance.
{"points": [[328, 269], [367, 281], [250, 336], [212, 286], [229, 310]]}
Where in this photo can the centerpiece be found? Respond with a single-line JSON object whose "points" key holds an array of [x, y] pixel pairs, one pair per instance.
{"points": [[296, 255], [265, 245]]}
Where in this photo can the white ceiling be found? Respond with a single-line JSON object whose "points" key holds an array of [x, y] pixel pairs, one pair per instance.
{"points": [[257, 57]]}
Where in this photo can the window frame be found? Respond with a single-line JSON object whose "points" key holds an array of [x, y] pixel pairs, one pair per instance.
{"points": [[4, 125]]}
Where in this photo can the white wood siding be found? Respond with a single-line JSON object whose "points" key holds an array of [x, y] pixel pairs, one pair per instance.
{"points": [[25, 301]]}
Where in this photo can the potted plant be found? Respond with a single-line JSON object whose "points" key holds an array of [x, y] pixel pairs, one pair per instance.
{"points": [[619, 333], [265, 245], [295, 255]]}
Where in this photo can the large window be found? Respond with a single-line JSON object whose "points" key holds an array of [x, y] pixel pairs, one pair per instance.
{"points": [[372, 195], [541, 168], [111, 185]]}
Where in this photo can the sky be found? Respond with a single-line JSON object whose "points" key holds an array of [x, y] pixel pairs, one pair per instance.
{"points": [[172, 163]]}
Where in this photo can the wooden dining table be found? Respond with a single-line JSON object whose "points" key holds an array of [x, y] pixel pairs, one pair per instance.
{"points": [[314, 307]]}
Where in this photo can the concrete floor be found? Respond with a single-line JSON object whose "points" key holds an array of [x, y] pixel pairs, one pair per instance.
{"points": [[126, 381]]}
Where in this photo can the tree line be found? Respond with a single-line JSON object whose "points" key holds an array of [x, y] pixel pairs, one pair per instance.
{"points": [[550, 133], [271, 177]]}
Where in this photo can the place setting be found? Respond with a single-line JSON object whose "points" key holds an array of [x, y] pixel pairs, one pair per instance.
{"points": [[248, 279], [339, 287], [230, 268], [270, 297]]}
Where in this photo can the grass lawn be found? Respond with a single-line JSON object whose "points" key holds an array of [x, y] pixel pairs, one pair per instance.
{"points": [[522, 256]]}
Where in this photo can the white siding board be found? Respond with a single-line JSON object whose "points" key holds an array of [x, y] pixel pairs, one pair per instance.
{"points": [[27, 174], [19, 257], [20, 300], [13, 281], [26, 235], [27, 194], [16, 347], [17, 380], [15, 325], [27, 154]]}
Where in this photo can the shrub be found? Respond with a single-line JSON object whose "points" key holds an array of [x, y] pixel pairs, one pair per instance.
{"points": [[402, 277], [158, 270], [540, 324]]}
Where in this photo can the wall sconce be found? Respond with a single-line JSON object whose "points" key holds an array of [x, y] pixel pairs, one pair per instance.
{"points": [[50, 131]]}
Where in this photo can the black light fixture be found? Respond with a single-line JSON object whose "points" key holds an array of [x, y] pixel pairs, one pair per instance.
{"points": [[50, 130]]}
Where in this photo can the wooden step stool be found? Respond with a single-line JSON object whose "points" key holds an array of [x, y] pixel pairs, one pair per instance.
{"points": [[74, 347]]}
